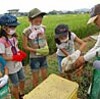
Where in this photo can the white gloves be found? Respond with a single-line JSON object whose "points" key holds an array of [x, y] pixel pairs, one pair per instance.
{"points": [[3, 80], [67, 62]]}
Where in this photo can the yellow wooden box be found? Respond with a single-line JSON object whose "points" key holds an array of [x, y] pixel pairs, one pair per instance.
{"points": [[54, 87]]}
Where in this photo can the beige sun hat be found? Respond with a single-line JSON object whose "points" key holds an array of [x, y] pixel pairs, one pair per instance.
{"points": [[95, 11], [35, 12]]}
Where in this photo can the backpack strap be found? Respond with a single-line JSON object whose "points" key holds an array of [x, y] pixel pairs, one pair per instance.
{"points": [[69, 35]]}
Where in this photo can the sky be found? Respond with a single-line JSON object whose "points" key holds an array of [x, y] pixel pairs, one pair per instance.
{"points": [[46, 5]]}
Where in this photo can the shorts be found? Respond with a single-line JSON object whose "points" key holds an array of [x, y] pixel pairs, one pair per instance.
{"points": [[17, 77], [59, 62], [38, 63]]}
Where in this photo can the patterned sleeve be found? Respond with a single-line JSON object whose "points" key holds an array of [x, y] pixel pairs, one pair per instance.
{"points": [[73, 35], [92, 52], [2, 48], [26, 32]]}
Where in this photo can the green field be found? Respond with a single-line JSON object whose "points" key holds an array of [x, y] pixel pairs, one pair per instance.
{"points": [[77, 23]]}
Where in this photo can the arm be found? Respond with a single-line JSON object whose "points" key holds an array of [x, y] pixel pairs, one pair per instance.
{"points": [[60, 46], [7, 58], [2, 52], [3, 62], [90, 54], [6, 70], [25, 45], [64, 51], [97, 44], [87, 57], [4, 79], [17, 57], [81, 43], [45, 39]]}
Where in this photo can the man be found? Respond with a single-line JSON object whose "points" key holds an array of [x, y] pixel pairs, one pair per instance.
{"points": [[95, 89]]}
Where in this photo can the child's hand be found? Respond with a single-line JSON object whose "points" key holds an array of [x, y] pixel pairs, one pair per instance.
{"points": [[3, 80], [79, 62]]}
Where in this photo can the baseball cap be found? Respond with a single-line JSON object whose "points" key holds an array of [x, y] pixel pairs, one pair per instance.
{"points": [[61, 29], [35, 12], [95, 11], [8, 20]]}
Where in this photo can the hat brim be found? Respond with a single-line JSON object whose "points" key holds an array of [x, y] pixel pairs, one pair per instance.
{"points": [[58, 35], [92, 19], [14, 24], [40, 13]]}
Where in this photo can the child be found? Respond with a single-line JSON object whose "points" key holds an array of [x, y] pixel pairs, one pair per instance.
{"points": [[35, 42], [11, 53], [4, 90], [65, 40]]}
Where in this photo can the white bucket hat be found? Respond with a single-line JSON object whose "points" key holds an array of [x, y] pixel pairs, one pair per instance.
{"points": [[95, 11]]}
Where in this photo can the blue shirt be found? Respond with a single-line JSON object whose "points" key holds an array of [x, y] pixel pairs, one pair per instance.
{"points": [[2, 64]]}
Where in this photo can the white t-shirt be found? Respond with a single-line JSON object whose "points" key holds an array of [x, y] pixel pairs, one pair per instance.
{"points": [[5, 47], [69, 46]]}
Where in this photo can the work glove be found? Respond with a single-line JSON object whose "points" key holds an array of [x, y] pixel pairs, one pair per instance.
{"points": [[43, 51], [3, 80], [67, 62]]}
